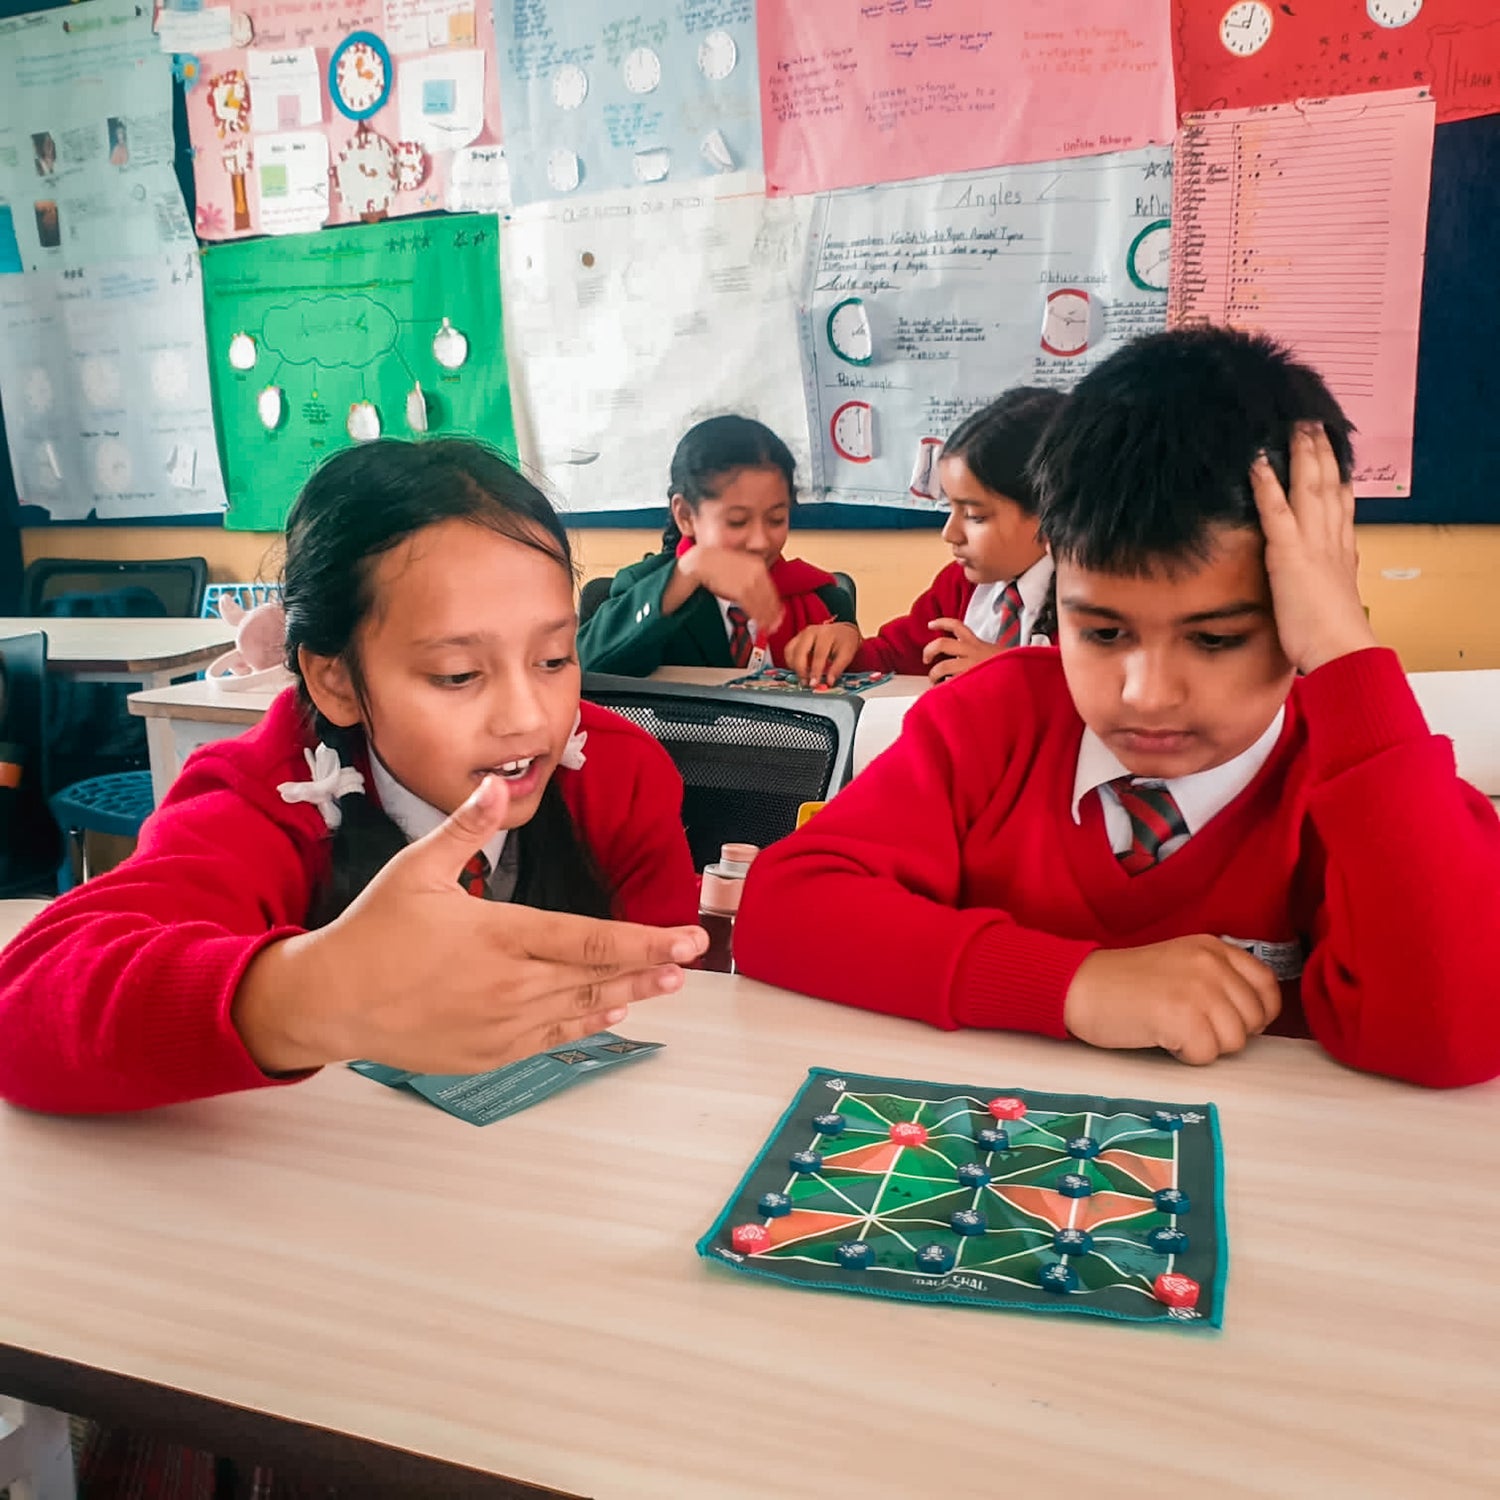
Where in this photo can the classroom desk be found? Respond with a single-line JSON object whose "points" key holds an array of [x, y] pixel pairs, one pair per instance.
{"points": [[298, 1272], [151, 651], [179, 719]]}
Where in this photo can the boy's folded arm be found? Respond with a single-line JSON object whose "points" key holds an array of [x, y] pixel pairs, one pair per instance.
{"points": [[118, 995], [1404, 976], [860, 907]]}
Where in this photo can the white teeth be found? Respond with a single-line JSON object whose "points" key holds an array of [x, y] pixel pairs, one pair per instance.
{"points": [[514, 768]]}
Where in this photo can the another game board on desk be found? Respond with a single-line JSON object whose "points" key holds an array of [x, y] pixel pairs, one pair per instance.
{"points": [[783, 680], [1005, 1198]]}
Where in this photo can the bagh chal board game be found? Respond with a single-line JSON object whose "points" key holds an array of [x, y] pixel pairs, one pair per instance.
{"points": [[784, 680], [1012, 1199]]}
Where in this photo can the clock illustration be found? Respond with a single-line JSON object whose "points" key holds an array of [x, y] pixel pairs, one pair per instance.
{"points": [[170, 377], [1149, 256], [113, 466], [849, 332], [717, 55], [570, 86], [1393, 12], [1246, 27], [359, 75], [853, 432], [100, 378], [642, 70], [1065, 324], [366, 175]]}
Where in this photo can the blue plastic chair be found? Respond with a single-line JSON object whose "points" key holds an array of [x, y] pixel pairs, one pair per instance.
{"points": [[116, 804], [246, 595]]}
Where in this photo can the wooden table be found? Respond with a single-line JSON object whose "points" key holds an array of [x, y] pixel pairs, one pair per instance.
{"points": [[524, 1299], [152, 651]]}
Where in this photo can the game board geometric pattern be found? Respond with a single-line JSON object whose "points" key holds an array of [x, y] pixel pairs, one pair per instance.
{"points": [[1015, 1199]]}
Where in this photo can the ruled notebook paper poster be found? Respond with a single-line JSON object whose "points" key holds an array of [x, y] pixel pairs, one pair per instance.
{"points": [[1308, 222], [855, 92]]}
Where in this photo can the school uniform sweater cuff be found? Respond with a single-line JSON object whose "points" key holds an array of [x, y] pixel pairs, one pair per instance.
{"points": [[1358, 706], [196, 1046], [1014, 979]]}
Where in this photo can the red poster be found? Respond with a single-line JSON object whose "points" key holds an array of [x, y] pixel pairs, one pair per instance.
{"points": [[1235, 53]]}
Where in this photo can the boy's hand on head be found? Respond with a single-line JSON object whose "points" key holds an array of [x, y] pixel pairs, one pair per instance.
{"points": [[822, 653], [740, 577], [955, 651], [1310, 553], [1196, 997], [418, 974]]}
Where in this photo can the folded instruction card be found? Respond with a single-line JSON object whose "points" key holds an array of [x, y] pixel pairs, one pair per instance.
{"points": [[483, 1098]]}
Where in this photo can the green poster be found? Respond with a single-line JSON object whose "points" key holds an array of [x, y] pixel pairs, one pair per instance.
{"points": [[317, 341]]}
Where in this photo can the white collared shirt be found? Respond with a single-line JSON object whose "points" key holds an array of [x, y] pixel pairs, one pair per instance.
{"points": [[1199, 797], [416, 818], [983, 614]]}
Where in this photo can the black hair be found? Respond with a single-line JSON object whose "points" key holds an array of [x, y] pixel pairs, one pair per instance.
{"points": [[361, 503], [712, 450], [1152, 450], [997, 441]]}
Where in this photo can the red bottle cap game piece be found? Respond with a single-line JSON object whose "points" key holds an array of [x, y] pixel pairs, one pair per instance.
{"points": [[748, 1239], [1007, 1109], [908, 1133], [1176, 1290]]}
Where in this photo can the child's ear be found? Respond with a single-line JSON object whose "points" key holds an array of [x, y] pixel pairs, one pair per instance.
{"points": [[682, 514], [330, 687]]}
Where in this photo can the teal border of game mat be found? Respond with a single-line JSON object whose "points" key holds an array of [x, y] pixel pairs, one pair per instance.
{"points": [[709, 1252]]}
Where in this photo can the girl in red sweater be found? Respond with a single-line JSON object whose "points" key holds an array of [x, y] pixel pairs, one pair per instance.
{"points": [[996, 593], [302, 896], [720, 584], [1216, 809]]}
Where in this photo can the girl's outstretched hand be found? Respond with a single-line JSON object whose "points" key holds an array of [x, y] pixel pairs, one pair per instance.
{"points": [[418, 974]]}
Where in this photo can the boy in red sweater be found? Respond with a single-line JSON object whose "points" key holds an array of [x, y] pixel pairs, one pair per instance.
{"points": [[1214, 810], [996, 593]]}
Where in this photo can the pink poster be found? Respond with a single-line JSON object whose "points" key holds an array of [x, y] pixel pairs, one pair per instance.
{"points": [[343, 111], [863, 91], [1308, 222]]}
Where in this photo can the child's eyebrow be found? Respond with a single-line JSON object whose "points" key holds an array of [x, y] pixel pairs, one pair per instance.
{"points": [[1226, 612], [480, 638]]}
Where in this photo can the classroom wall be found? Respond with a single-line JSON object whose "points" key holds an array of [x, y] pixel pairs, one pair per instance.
{"points": [[1430, 589]]}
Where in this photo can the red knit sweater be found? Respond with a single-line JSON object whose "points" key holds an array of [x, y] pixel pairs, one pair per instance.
{"points": [[899, 644], [118, 995], [956, 856]]}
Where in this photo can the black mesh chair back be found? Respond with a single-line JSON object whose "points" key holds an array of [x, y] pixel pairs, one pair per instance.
{"points": [[30, 840], [171, 586], [748, 760], [593, 594]]}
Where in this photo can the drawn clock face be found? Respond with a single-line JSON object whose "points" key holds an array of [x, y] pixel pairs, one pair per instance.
{"points": [[849, 332], [1150, 255], [1246, 27], [853, 432], [1065, 324], [359, 75], [1393, 12]]}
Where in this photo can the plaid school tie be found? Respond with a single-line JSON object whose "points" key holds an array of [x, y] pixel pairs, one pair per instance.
{"points": [[475, 876], [1009, 610], [1155, 820], [740, 643]]}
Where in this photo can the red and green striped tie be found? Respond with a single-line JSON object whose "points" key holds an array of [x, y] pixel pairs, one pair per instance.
{"points": [[1009, 610], [475, 876], [1155, 820], [740, 643]]}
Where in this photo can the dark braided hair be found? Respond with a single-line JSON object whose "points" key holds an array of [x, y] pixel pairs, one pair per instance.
{"points": [[361, 503], [711, 451]]}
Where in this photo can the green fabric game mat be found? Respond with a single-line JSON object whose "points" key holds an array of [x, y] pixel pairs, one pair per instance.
{"points": [[1004, 1198]]}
